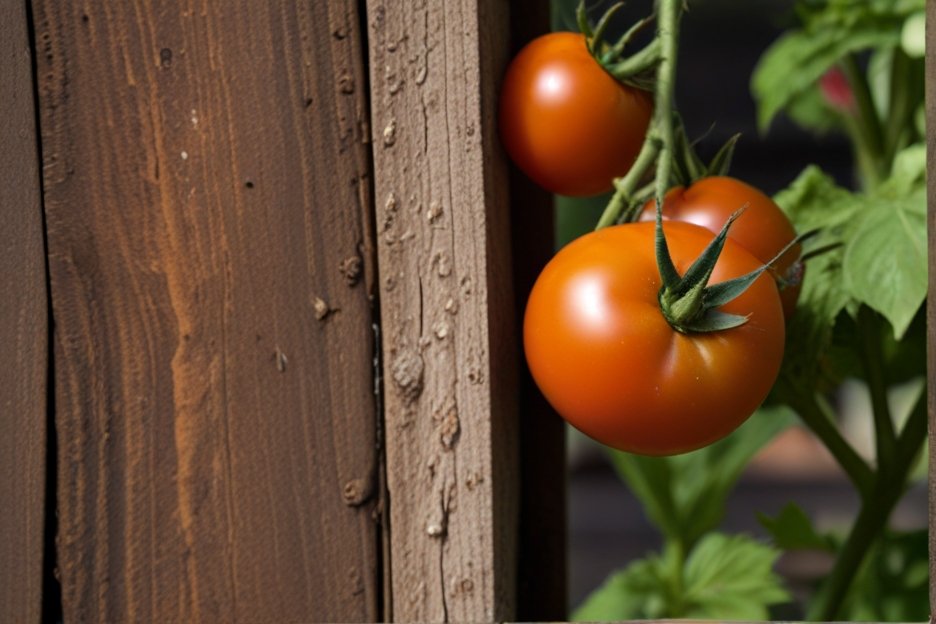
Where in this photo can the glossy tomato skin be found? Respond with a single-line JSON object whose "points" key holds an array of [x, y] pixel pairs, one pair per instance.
{"points": [[567, 123], [603, 355], [763, 229]]}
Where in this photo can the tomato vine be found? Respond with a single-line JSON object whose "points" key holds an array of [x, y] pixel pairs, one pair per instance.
{"points": [[865, 280]]}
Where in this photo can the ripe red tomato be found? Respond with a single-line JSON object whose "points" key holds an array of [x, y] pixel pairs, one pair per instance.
{"points": [[763, 229], [565, 121], [607, 360]]}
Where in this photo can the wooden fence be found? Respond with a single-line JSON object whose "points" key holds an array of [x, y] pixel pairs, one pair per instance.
{"points": [[259, 355], [261, 268]]}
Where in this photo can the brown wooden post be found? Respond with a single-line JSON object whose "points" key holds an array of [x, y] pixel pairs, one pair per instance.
{"points": [[207, 201], [23, 330], [447, 308]]}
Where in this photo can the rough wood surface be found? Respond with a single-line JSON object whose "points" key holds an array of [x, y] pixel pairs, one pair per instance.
{"points": [[23, 330], [447, 312], [930, 303], [207, 194]]}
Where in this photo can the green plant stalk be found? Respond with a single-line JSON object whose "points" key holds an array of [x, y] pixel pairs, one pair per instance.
{"points": [[658, 144], [675, 557], [625, 187], [867, 133], [871, 359], [669, 11], [889, 484], [816, 416], [900, 108], [864, 158]]}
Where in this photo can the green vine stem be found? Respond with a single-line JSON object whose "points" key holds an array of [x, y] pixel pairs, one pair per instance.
{"points": [[674, 554], [865, 126], [899, 106], [889, 485], [658, 144], [818, 417], [872, 361]]}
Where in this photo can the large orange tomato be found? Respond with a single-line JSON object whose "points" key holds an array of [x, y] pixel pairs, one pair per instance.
{"points": [[565, 121], [763, 229], [608, 361]]}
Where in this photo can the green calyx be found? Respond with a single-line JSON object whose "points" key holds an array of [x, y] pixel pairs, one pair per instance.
{"points": [[688, 302], [688, 167], [637, 69]]}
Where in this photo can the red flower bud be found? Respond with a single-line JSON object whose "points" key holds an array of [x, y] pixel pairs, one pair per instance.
{"points": [[836, 91]]}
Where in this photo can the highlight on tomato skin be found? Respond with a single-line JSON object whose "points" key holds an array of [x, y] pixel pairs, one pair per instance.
{"points": [[763, 229], [602, 353], [565, 121]]}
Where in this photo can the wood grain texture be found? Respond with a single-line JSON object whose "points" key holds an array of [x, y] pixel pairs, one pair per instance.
{"points": [[23, 330], [930, 79], [207, 195], [541, 542], [447, 317]]}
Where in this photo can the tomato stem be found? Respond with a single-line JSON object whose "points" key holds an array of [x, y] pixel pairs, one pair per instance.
{"points": [[869, 329], [658, 144], [819, 417], [668, 33], [624, 187], [888, 487], [865, 125]]}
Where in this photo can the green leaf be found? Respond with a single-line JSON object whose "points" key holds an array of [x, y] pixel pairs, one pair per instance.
{"points": [[814, 201], [913, 35], [684, 495], [637, 591], [892, 584], [879, 79], [909, 171], [810, 110], [650, 479], [731, 578], [793, 530], [884, 263], [796, 61]]}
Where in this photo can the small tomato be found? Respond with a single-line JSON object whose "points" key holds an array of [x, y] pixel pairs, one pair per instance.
{"points": [[565, 121], [764, 230]]}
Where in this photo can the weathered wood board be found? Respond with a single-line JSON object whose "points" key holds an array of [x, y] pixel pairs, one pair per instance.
{"points": [[207, 199], [447, 308], [23, 331]]}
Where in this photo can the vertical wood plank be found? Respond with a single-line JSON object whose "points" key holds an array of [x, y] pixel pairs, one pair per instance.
{"points": [[541, 542], [23, 330], [930, 79], [449, 341], [207, 200]]}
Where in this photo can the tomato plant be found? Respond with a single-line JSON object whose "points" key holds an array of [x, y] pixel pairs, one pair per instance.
{"points": [[654, 345], [763, 229], [609, 361], [566, 121]]}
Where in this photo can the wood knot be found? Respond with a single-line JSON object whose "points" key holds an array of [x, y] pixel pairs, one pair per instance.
{"points": [[407, 373], [352, 267], [356, 492], [346, 84], [389, 133], [321, 309], [449, 426]]}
